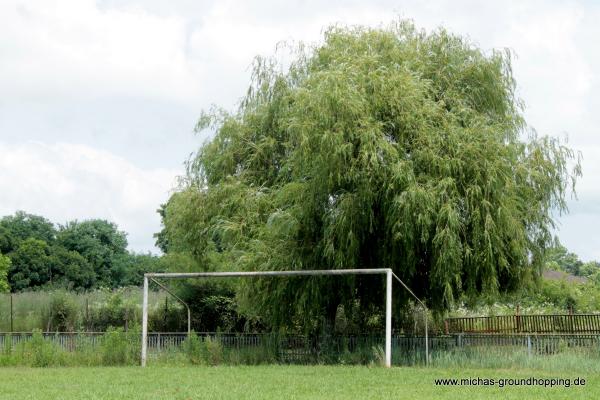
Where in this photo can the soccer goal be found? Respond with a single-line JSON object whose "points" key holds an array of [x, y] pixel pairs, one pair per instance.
{"points": [[372, 271]]}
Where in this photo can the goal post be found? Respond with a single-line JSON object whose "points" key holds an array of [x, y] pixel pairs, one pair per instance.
{"points": [[368, 271]]}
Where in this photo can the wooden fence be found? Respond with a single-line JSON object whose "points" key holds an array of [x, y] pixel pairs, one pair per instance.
{"points": [[554, 323]]}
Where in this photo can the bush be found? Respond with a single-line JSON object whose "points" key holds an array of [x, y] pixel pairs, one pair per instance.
{"points": [[120, 347], [35, 352], [192, 346], [117, 311], [213, 351], [62, 314], [203, 350]]}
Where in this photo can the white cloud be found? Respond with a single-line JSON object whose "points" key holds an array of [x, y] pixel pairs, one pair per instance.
{"points": [[65, 181], [53, 49]]}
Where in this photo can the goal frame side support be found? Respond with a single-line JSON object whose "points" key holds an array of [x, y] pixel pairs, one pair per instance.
{"points": [[370, 271]]}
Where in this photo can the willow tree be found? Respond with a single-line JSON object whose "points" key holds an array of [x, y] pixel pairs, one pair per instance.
{"points": [[387, 147]]}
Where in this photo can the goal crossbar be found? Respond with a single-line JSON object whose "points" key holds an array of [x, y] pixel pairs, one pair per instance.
{"points": [[367, 271], [230, 274]]}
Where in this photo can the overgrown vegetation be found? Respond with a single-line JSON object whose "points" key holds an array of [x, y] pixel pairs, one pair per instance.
{"points": [[117, 347], [550, 296], [93, 311]]}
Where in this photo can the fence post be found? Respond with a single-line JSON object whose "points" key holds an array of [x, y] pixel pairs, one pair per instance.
{"points": [[87, 314], [11, 315], [571, 318]]}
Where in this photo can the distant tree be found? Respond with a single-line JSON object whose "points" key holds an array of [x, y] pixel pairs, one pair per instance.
{"points": [[559, 258], [378, 148], [70, 269], [99, 242], [30, 265], [589, 268], [129, 268], [6, 240], [21, 226], [162, 239], [4, 267]]}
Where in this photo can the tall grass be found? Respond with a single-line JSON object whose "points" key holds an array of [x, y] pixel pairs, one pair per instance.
{"points": [[572, 359], [61, 310]]}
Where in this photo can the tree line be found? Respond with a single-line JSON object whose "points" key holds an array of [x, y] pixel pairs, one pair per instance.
{"points": [[80, 255]]}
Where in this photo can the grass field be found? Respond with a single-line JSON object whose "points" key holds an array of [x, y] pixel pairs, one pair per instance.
{"points": [[277, 382]]}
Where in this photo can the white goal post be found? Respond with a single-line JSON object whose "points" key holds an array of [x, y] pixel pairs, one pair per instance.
{"points": [[371, 271]]}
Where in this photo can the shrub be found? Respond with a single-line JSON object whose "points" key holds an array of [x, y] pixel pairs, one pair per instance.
{"points": [[62, 314], [37, 352], [117, 311], [120, 347], [213, 351], [192, 346], [203, 350]]}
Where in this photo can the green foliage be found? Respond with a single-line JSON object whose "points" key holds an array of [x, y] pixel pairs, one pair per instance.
{"points": [[550, 297], [62, 314], [170, 316], [117, 311], [213, 306], [71, 270], [162, 240], [128, 268], [590, 269], [380, 147], [79, 255], [4, 267], [30, 264], [214, 351], [36, 352], [559, 258], [206, 350], [120, 347], [43, 353], [193, 348], [95, 311], [16, 228], [99, 242]]}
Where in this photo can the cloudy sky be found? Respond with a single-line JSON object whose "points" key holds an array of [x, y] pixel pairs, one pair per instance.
{"points": [[98, 99]]}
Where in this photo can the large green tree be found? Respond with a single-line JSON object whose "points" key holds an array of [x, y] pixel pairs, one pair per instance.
{"points": [[70, 269], [128, 269], [16, 228], [100, 242], [377, 148], [31, 265]]}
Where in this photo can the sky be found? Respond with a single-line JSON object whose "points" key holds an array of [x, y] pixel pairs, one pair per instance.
{"points": [[98, 99]]}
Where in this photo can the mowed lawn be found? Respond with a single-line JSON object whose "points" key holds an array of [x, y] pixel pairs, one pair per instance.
{"points": [[275, 382]]}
